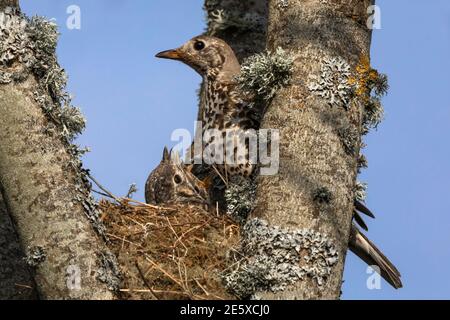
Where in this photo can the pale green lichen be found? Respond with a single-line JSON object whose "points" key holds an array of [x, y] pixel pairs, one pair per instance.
{"points": [[362, 162], [72, 120], [282, 4], [53, 79], [350, 138], [360, 191], [28, 48], [273, 258], [332, 84], [373, 114], [13, 44], [109, 271], [240, 196], [43, 39], [263, 74], [35, 256]]}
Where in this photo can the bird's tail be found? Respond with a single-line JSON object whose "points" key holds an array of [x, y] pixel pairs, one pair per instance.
{"points": [[361, 246]]}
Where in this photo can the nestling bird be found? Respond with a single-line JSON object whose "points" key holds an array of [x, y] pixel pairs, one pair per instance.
{"points": [[172, 182], [225, 107]]}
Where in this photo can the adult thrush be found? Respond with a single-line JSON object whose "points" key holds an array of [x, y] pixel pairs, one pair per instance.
{"points": [[226, 108]]}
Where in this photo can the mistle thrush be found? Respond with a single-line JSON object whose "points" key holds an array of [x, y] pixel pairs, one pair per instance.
{"points": [[172, 182], [225, 108]]}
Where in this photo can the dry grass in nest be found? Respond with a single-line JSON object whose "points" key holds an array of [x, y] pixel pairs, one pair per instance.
{"points": [[177, 252]]}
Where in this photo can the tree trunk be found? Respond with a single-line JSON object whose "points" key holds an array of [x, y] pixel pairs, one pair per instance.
{"points": [[310, 202], [15, 278], [43, 185], [16, 282], [8, 3], [242, 24]]}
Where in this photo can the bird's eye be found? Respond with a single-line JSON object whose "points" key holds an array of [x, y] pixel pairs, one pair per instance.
{"points": [[177, 179], [199, 45]]}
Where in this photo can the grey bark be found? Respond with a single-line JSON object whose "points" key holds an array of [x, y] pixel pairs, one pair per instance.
{"points": [[245, 25], [312, 155], [40, 191], [8, 3], [16, 281]]}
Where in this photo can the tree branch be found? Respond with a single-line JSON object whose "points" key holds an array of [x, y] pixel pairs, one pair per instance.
{"points": [[42, 182], [15, 277], [312, 196]]}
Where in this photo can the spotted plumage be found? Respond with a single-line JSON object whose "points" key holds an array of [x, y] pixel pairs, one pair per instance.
{"points": [[224, 108], [172, 182]]}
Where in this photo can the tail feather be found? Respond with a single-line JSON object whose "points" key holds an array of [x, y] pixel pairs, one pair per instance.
{"points": [[359, 220], [370, 254], [362, 208]]}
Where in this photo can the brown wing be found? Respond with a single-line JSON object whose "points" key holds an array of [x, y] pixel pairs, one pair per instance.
{"points": [[362, 208], [359, 220]]}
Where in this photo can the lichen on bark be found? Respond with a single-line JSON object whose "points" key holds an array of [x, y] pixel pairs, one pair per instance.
{"points": [[240, 197], [28, 48], [263, 74], [273, 258], [369, 88], [333, 83], [313, 114], [43, 182]]}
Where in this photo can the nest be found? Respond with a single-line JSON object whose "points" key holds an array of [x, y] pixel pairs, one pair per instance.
{"points": [[178, 252]]}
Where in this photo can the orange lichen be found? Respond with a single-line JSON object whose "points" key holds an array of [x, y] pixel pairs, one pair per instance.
{"points": [[364, 79]]}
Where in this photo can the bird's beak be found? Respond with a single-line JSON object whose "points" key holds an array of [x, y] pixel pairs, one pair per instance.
{"points": [[174, 54]]}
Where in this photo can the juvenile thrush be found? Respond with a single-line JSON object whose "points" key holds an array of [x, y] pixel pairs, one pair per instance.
{"points": [[171, 182]]}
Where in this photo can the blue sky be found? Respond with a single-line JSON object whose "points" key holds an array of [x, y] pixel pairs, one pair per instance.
{"points": [[133, 102]]}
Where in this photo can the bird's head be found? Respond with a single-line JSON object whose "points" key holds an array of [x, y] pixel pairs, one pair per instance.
{"points": [[209, 56], [172, 182]]}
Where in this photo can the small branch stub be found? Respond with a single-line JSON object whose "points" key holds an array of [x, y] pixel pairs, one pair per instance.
{"points": [[35, 256]]}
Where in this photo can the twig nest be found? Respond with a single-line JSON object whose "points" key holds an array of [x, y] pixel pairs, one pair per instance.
{"points": [[178, 252]]}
